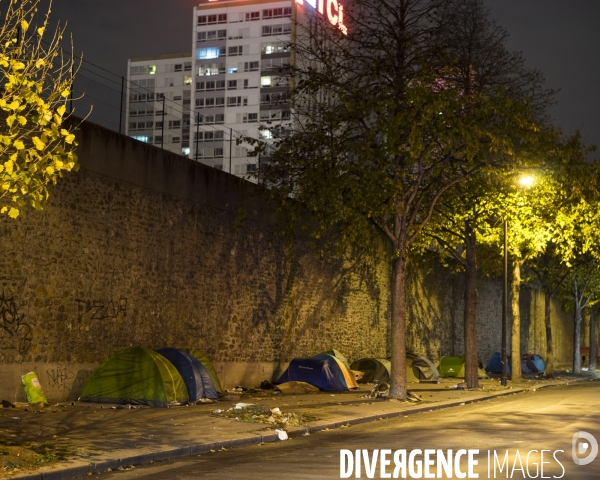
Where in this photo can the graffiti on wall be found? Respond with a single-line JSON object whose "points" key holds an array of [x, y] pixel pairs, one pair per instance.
{"points": [[12, 322], [101, 309], [65, 380], [59, 378]]}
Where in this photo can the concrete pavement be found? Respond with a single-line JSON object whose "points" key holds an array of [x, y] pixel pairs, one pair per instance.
{"points": [[527, 423], [108, 438]]}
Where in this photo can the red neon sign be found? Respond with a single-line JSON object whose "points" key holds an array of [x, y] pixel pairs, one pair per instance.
{"points": [[332, 8]]}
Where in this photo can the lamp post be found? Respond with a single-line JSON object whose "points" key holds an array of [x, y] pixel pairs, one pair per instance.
{"points": [[504, 380], [525, 181]]}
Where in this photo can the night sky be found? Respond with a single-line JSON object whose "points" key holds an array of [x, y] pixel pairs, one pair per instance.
{"points": [[559, 37]]}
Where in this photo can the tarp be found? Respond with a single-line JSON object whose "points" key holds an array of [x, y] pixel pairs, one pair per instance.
{"points": [[347, 377], [530, 362], [136, 376], [322, 373], [376, 370], [197, 380], [203, 359], [455, 367]]}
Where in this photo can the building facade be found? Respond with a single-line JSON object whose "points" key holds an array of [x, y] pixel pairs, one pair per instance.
{"points": [[240, 50], [159, 101], [234, 83]]}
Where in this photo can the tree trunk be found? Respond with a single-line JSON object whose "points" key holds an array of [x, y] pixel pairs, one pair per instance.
{"points": [[515, 351], [398, 333], [592, 363], [470, 315], [577, 339], [548, 319]]}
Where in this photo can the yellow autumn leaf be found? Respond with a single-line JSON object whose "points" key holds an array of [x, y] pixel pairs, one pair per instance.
{"points": [[50, 170], [13, 213], [59, 164], [38, 143], [5, 186], [65, 93], [40, 63], [40, 31], [4, 209], [61, 110], [24, 24], [19, 145], [10, 120], [69, 138], [22, 120]]}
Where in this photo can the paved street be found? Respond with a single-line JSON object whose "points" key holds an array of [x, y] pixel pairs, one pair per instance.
{"points": [[541, 420]]}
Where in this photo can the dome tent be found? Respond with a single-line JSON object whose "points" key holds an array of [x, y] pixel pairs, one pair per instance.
{"points": [[455, 367], [340, 356], [374, 369], [208, 365], [421, 369], [346, 376], [197, 380], [534, 362], [323, 373], [137, 376]]}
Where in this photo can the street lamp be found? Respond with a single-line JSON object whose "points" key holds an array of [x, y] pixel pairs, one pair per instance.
{"points": [[504, 381], [525, 181]]}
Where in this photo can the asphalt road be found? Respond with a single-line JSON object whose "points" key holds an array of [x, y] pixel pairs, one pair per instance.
{"points": [[543, 420]]}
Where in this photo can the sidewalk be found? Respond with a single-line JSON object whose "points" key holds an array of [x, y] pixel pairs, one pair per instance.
{"points": [[93, 438]]}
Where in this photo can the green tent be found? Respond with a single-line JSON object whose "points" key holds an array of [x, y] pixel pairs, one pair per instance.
{"points": [[208, 365], [374, 369], [137, 376], [455, 367], [418, 369]]}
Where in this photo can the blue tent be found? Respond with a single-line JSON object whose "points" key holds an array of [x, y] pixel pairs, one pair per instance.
{"points": [[322, 373], [196, 378], [343, 373], [534, 362], [529, 363], [495, 364]]}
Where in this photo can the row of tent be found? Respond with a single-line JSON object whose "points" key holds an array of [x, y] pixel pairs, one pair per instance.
{"points": [[331, 371], [140, 376]]}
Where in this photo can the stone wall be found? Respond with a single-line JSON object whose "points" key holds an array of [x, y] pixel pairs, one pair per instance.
{"points": [[435, 318], [145, 248]]}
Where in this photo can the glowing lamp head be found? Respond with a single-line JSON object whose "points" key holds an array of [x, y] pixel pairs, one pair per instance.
{"points": [[526, 181]]}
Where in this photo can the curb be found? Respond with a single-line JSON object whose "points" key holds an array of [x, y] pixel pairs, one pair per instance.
{"points": [[172, 452]]}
